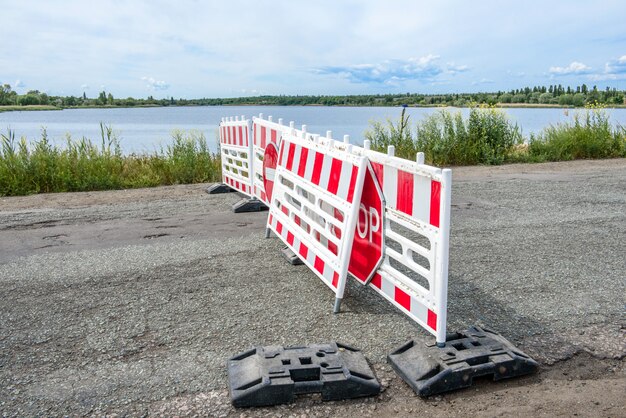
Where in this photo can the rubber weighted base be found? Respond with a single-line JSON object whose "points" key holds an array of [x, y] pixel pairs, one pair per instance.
{"points": [[219, 188], [274, 375], [475, 352], [291, 257], [249, 205]]}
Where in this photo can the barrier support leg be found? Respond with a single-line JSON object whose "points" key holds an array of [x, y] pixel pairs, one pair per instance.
{"points": [[267, 232], [337, 305]]}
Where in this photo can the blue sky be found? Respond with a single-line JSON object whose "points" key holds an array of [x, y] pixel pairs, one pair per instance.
{"points": [[240, 48]]}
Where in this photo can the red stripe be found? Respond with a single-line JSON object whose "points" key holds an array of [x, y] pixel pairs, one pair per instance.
{"points": [[332, 247], [270, 220], [292, 150], [290, 238], [241, 135], [221, 134], [285, 210], [335, 176], [352, 183], [231, 135], [317, 168], [279, 228], [435, 200], [377, 280], [304, 251], [405, 192], [282, 153], [247, 141], [304, 153], [402, 298], [432, 320], [273, 136], [319, 265], [335, 279], [263, 133]]}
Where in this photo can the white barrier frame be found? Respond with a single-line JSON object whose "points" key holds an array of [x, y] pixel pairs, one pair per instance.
{"points": [[238, 177], [339, 263]]}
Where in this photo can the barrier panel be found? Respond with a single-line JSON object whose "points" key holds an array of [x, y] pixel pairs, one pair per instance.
{"points": [[315, 203], [414, 273], [236, 153]]}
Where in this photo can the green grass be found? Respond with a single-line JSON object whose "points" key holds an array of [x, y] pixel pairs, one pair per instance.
{"points": [[447, 138], [488, 137], [82, 165], [589, 135]]}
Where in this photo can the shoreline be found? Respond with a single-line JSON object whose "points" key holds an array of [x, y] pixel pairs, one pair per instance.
{"points": [[35, 108]]}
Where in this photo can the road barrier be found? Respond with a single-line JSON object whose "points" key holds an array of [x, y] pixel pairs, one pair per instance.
{"points": [[265, 133], [414, 273], [315, 204], [236, 152], [343, 209], [347, 209]]}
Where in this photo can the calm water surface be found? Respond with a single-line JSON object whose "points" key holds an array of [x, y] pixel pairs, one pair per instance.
{"points": [[145, 129]]}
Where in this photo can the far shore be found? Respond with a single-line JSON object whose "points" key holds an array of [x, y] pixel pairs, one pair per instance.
{"points": [[30, 108]]}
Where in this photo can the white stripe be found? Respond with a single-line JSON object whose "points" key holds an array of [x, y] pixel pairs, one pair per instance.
{"points": [[344, 180], [419, 310], [310, 162], [325, 175], [328, 272], [296, 159], [390, 185], [388, 288], [421, 198]]}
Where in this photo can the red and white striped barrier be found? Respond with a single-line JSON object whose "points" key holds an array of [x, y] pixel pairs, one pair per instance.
{"points": [[315, 204], [265, 133], [236, 154], [414, 273]]}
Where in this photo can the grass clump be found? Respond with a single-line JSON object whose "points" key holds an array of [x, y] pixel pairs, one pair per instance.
{"points": [[485, 137], [40, 167], [589, 135]]}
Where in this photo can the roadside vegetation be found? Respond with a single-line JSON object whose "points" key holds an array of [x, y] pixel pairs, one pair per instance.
{"points": [[28, 167], [549, 96], [486, 136]]}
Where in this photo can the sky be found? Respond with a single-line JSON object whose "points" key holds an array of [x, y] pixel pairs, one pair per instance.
{"points": [[233, 48]]}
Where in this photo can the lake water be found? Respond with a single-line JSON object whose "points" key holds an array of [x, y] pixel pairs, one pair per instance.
{"points": [[144, 129]]}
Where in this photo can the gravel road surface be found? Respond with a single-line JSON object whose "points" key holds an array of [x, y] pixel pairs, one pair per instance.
{"points": [[130, 302]]}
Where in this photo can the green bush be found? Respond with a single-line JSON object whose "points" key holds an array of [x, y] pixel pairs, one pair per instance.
{"points": [[485, 137], [40, 167], [589, 135]]}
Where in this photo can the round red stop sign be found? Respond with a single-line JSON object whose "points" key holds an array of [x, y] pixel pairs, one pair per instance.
{"points": [[270, 161], [367, 247]]}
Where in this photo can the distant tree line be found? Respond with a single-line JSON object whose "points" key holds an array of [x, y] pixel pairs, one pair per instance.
{"points": [[538, 95]]}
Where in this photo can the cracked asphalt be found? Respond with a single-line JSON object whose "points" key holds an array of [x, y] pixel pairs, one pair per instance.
{"points": [[130, 302]]}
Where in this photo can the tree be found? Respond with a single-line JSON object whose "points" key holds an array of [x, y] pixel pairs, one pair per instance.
{"points": [[102, 98], [110, 99]]}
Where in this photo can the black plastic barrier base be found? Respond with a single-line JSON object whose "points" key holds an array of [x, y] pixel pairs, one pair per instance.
{"points": [[430, 370], [291, 257], [249, 205], [273, 375], [219, 188]]}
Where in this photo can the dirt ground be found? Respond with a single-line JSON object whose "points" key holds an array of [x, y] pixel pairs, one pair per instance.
{"points": [[130, 302]]}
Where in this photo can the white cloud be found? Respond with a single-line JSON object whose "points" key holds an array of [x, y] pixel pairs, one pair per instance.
{"points": [[154, 84], [84, 86], [394, 72], [574, 67], [19, 84]]}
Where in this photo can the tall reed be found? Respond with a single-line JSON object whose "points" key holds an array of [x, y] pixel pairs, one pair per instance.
{"points": [[81, 165]]}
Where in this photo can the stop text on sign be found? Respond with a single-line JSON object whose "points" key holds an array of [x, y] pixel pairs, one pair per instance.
{"points": [[369, 222]]}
